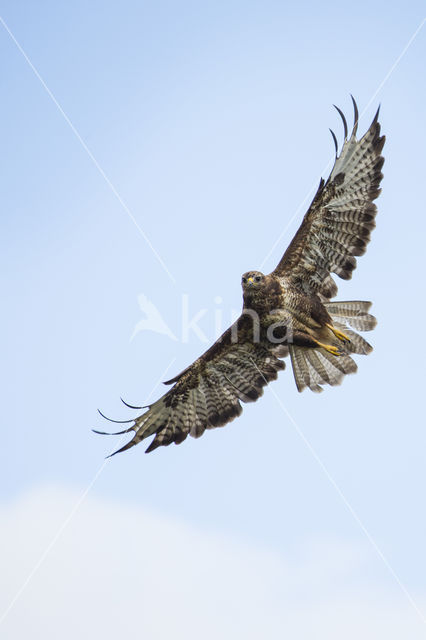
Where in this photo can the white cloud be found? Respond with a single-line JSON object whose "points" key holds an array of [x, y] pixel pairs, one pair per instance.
{"points": [[122, 572]]}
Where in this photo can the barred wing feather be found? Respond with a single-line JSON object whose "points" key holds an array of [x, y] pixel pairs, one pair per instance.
{"points": [[208, 393], [339, 222]]}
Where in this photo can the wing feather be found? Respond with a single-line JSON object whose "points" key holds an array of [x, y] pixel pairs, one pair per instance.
{"points": [[338, 224], [207, 394]]}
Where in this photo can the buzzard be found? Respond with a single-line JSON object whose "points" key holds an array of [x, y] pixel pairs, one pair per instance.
{"points": [[288, 312]]}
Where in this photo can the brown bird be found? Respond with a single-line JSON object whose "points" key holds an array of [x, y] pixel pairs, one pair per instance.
{"points": [[288, 311]]}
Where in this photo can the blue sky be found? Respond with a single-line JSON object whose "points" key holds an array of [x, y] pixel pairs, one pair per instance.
{"points": [[211, 122]]}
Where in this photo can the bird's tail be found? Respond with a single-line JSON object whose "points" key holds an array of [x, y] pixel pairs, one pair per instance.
{"points": [[315, 367]]}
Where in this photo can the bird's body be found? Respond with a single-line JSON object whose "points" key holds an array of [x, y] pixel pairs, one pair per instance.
{"points": [[283, 312], [288, 311]]}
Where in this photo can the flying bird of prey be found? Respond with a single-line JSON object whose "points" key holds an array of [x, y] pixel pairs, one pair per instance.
{"points": [[286, 312]]}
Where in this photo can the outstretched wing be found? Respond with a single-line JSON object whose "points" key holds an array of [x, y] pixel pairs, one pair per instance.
{"points": [[208, 393], [339, 221]]}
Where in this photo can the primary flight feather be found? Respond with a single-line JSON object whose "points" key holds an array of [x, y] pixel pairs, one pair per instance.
{"points": [[288, 311]]}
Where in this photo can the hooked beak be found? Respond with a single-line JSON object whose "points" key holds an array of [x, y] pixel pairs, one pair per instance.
{"points": [[250, 281]]}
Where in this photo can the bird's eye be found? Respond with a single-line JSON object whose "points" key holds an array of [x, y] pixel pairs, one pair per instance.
{"points": [[258, 278], [244, 280]]}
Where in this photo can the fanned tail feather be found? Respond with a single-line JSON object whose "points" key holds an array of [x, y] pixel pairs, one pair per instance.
{"points": [[353, 312], [313, 368]]}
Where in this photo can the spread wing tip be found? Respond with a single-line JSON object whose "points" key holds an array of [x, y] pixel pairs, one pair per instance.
{"points": [[112, 420], [345, 124], [337, 225], [132, 406], [128, 445], [335, 141], [376, 117], [110, 433], [356, 116]]}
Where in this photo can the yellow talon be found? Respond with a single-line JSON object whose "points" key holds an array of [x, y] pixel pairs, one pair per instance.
{"points": [[335, 351], [339, 334]]}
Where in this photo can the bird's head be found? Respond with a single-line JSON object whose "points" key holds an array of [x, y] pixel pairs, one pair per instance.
{"points": [[252, 280]]}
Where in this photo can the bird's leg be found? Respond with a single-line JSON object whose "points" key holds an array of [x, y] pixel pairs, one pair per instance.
{"points": [[335, 351], [339, 334], [302, 339]]}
